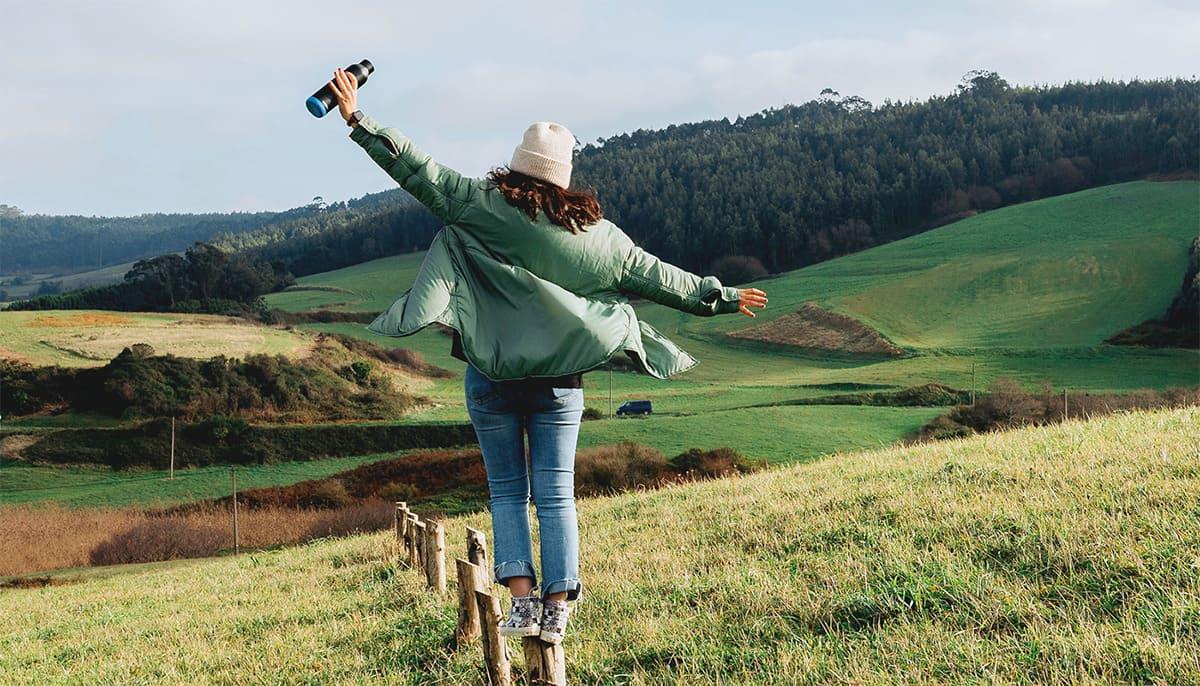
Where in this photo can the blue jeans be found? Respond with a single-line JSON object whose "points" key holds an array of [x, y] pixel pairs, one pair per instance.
{"points": [[502, 416]]}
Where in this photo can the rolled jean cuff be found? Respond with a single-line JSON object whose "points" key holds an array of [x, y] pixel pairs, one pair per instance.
{"points": [[573, 587], [511, 568]]}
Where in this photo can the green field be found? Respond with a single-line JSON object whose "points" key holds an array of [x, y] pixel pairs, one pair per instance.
{"points": [[1066, 271], [370, 286], [1062, 554], [1027, 291], [87, 486]]}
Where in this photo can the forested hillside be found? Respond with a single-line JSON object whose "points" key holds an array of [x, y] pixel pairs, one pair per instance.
{"points": [[801, 184], [67, 243], [778, 190], [804, 183]]}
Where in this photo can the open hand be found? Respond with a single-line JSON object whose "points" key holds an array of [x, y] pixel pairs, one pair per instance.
{"points": [[345, 87], [751, 296]]}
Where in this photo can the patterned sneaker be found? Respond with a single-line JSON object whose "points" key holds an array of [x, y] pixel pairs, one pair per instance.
{"points": [[523, 616], [554, 620]]}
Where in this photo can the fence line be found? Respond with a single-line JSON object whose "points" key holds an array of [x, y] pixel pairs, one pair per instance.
{"points": [[422, 545]]}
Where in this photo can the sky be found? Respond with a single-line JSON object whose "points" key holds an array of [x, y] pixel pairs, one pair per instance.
{"points": [[120, 108]]}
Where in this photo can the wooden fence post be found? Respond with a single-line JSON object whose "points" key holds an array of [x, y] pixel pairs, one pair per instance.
{"points": [[420, 546], [469, 580], [477, 553], [544, 662], [398, 519], [495, 648], [437, 556], [410, 539]]}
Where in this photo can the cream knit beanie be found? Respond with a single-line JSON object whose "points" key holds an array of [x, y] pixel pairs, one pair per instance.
{"points": [[545, 153]]}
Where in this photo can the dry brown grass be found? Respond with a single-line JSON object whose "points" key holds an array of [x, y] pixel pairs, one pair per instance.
{"points": [[90, 338], [35, 538], [812, 326], [82, 319]]}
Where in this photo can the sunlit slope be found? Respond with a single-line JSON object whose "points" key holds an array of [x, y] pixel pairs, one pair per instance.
{"points": [[1064, 554], [89, 338], [1058, 272], [370, 286], [1063, 271]]}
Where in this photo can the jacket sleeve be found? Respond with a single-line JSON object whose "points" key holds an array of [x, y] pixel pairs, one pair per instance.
{"points": [[646, 275], [444, 191]]}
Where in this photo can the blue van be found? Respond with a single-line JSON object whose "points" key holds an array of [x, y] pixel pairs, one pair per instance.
{"points": [[633, 408]]}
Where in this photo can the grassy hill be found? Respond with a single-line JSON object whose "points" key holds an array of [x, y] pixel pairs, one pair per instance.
{"points": [[1064, 554], [1027, 291], [88, 338], [370, 286], [1066, 271]]}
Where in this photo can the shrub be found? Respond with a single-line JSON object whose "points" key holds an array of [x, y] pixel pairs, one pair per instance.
{"points": [[712, 463], [327, 494], [396, 490], [163, 538], [619, 467]]}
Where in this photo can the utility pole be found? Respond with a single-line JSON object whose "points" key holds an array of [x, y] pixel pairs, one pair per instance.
{"points": [[236, 543], [172, 448], [1064, 404]]}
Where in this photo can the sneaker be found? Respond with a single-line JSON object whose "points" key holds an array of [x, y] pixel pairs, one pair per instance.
{"points": [[554, 620], [523, 616]]}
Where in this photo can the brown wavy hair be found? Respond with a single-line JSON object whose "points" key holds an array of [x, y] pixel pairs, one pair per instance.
{"points": [[571, 209]]}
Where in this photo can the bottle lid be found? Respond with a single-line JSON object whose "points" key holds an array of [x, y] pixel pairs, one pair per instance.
{"points": [[315, 106], [370, 67]]}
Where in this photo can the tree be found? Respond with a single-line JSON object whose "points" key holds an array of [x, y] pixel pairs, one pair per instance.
{"points": [[205, 264], [983, 83]]}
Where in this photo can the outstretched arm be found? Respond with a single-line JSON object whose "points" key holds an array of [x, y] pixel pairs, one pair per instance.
{"points": [[444, 191], [646, 275]]}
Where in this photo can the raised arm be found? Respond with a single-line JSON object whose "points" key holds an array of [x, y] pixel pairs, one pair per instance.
{"points": [[646, 275], [444, 191]]}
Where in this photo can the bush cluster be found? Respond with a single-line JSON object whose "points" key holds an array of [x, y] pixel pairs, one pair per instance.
{"points": [[1007, 404]]}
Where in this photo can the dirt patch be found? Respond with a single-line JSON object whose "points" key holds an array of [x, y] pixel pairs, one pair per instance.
{"points": [[81, 319], [11, 446], [814, 327], [7, 354]]}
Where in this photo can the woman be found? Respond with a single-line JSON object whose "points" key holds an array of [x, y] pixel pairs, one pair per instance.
{"points": [[532, 279]]}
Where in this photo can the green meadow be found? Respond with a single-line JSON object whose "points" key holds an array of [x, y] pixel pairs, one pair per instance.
{"points": [[1028, 291], [1062, 554]]}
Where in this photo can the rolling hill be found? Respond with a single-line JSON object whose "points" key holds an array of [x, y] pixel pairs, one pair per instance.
{"points": [[1062, 554], [1066, 271], [1028, 291]]}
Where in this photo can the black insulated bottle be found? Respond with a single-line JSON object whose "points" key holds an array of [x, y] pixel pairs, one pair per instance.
{"points": [[322, 101]]}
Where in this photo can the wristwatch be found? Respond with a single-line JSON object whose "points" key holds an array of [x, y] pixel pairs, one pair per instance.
{"points": [[355, 117]]}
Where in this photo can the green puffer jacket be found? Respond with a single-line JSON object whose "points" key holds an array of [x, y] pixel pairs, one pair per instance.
{"points": [[530, 298]]}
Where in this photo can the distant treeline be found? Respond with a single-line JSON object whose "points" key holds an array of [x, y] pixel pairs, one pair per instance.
{"points": [[804, 183], [37, 243], [203, 279], [393, 223]]}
